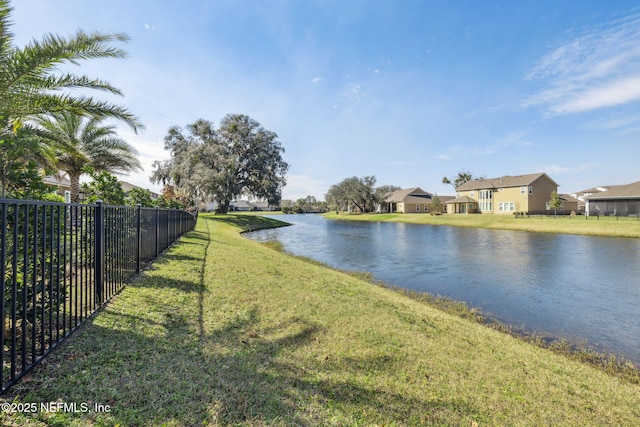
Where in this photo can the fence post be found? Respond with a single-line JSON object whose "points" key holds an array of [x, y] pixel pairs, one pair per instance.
{"points": [[99, 251], [157, 230], [138, 236]]}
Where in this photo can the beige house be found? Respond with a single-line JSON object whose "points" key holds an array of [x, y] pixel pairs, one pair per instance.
{"points": [[569, 203], [504, 195], [62, 186], [409, 200]]}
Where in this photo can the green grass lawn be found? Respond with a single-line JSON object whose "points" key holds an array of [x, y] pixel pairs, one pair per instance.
{"points": [[223, 330], [605, 226]]}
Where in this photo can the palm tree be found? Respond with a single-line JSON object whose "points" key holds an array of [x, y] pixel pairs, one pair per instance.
{"points": [[31, 85], [81, 142]]}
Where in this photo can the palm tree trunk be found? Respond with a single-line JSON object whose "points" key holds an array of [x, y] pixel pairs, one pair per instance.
{"points": [[75, 188]]}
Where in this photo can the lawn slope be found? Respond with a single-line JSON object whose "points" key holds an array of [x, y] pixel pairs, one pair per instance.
{"points": [[224, 330]]}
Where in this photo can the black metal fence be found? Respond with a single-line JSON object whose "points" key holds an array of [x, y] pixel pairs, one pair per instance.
{"points": [[60, 262], [545, 213]]}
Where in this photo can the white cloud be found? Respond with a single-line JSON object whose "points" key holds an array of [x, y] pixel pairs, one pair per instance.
{"points": [[597, 69], [617, 92], [317, 80]]}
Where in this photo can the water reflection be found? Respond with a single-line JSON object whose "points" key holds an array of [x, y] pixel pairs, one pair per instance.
{"points": [[576, 287]]}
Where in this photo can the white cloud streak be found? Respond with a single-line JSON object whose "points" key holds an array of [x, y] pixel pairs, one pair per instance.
{"points": [[598, 69]]}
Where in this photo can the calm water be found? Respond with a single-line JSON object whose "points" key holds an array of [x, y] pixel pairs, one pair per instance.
{"points": [[575, 287]]}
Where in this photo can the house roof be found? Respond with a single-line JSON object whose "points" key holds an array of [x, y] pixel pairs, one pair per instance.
{"points": [[628, 191], [243, 204], [596, 189], [61, 181], [568, 198], [446, 199], [462, 199], [503, 182], [408, 195], [263, 204]]}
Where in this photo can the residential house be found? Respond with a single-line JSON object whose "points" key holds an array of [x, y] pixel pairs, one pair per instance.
{"points": [[127, 187], [263, 205], [507, 194], [580, 195], [615, 200], [569, 203], [245, 206], [63, 187], [61, 184], [409, 200]]}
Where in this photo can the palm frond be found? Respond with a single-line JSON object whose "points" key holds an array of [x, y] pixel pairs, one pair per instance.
{"points": [[5, 35], [29, 81]]}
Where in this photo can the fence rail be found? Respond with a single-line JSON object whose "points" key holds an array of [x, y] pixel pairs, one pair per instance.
{"points": [[60, 262]]}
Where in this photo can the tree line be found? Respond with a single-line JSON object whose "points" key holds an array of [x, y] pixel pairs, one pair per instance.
{"points": [[359, 193]]}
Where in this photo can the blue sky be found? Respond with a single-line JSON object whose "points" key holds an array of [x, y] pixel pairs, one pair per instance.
{"points": [[408, 91]]}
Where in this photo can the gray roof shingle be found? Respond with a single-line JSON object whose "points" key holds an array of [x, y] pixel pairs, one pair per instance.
{"points": [[502, 182]]}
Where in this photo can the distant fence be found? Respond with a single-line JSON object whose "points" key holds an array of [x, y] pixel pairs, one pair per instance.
{"points": [[617, 208], [635, 215], [545, 213], [60, 262]]}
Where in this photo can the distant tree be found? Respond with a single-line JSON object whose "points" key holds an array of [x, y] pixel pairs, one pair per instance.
{"points": [[436, 205], [240, 158], [306, 205], [352, 191], [336, 197], [381, 193], [457, 181], [139, 196], [357, 192], [172, 199], [105, 187], [555, 202]]}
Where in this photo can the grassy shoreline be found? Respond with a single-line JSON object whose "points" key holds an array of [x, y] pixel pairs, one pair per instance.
{"points": [[223, 330], [605, 226]]}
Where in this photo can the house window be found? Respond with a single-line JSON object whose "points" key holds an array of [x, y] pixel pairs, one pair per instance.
{"points": [[530, 190], [67, 196], [487, 206], [417, 208], [523, 190], [486, 194], [507, 206], [472, 193]]}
